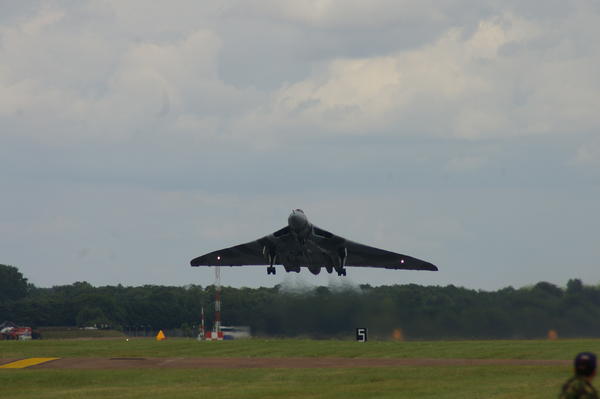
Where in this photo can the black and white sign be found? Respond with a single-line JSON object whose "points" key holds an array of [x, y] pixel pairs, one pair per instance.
{"points": [[361, 334]]}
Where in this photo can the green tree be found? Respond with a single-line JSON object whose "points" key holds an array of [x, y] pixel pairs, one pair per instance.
{"points": [[322, 312], [13, 285], [91, 316]]}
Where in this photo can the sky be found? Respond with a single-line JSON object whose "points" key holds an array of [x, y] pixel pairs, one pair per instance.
{"points": [[135, 136]]}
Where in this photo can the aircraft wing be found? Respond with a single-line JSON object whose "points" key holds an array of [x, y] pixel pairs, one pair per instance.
{"points": [[366, 256], [250, 253], [363, 255]]}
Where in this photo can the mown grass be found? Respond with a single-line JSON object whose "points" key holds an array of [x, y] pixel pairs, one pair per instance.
{"points": [[517, 349], [74, 332], [398, 382]]}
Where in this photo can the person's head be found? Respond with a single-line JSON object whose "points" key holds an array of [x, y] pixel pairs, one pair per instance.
{"points": [[585, 364]]}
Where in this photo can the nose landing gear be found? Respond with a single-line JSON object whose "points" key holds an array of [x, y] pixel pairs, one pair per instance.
{"points": [[271, 270]]}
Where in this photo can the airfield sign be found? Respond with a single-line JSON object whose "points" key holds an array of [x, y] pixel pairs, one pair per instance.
{"points": [[361, 334]]}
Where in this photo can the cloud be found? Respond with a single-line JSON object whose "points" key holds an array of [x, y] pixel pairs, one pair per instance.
{"points": [[473, 85], [188, 126], [328, 14], [589, 154], [504, 75], [79, 86], [465, 164]]}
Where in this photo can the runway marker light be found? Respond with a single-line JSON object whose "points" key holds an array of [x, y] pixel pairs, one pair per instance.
{"points": [[398, 334]]}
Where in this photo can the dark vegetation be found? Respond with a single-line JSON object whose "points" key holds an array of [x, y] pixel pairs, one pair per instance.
{"points": [[421, 312]]}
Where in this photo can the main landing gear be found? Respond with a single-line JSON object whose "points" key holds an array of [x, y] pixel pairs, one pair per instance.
{"points": [[342, 256], [271, 256]]}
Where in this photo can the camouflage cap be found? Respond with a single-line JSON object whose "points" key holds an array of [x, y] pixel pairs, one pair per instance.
{"points": [[585, 363]]}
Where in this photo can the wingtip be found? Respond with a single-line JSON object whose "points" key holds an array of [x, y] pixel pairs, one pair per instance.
{"points": [[430, 267]]}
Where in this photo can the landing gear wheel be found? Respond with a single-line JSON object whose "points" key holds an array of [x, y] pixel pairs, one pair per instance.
{"points": [[341, 272], [271, 270]]}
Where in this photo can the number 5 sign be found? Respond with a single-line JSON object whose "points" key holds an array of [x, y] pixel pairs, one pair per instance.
{"points": [[361, 334]]}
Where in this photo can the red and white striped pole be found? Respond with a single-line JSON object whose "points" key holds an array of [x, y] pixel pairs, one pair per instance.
{"points": [[218, 299]]}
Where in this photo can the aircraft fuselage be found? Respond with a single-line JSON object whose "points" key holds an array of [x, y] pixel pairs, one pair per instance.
{"points": [[303, 249]]}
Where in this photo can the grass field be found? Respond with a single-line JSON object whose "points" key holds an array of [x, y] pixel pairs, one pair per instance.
{"points": [[74, 332], [404, 382], [187, 347], [393, 382]]}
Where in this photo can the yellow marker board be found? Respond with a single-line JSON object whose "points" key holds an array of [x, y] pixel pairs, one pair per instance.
{"points": [[21, 364]]}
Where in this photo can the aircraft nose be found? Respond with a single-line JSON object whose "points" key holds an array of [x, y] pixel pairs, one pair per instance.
{"points": [[297, 220]]}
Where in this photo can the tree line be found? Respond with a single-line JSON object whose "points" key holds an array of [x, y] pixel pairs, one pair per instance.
{"points": [[422, 312]]}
